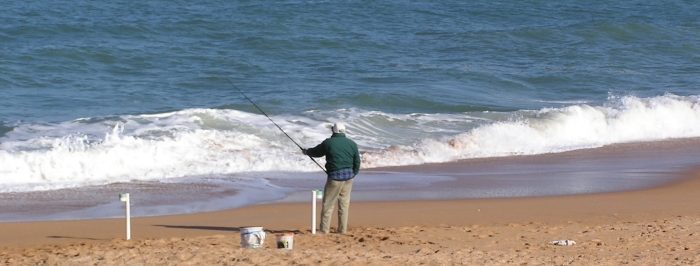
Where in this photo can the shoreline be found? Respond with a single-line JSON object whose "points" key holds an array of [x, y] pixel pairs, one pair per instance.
{"points": [[613, 168], [650, 226], [668, 200]]}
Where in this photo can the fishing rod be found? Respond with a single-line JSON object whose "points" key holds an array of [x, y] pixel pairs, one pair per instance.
{"points": [[273, 122]]}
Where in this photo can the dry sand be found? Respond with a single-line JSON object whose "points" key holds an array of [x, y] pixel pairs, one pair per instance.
{"points": [[658, 226]]}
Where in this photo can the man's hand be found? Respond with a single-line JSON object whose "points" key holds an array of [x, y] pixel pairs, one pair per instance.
{"points": [[303, 151]]}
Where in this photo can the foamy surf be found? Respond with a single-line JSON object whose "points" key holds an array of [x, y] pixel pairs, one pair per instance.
{"points": [[551, 130], [216, 142]]}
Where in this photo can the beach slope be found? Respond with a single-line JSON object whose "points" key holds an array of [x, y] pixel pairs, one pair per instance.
{"points": [[651, 226]]}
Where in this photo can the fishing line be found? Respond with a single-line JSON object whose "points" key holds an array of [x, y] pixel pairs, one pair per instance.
{"points": [[273, 122]]}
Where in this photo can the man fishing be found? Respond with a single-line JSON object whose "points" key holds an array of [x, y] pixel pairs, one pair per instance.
{"points": [[342, 165]]}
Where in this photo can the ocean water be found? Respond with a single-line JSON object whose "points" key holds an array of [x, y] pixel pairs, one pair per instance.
{"points": [[96, 93]]}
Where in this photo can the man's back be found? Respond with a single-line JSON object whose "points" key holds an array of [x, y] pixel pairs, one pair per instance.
{"points": [[340, 151]]}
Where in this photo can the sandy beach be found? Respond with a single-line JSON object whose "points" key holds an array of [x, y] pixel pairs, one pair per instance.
{"points": [[656, 226]]}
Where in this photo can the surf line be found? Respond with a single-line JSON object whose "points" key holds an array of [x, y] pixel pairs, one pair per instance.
{"points": [[273, 122]]}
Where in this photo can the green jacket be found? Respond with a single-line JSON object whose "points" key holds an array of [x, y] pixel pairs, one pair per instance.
{"points": [[340, 151]]}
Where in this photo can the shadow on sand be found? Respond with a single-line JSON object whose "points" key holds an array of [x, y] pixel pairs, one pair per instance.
{"points": [[72, 237], [222, 228]]}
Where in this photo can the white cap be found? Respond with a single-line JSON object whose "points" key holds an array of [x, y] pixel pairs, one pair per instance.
{"points": [[338, 127]]}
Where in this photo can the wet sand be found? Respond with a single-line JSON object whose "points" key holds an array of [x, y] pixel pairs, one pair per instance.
{"points": [[619, 167], [651, 226]]}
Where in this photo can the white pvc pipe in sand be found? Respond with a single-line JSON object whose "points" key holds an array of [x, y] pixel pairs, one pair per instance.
{"points": [[125, 198], [315, 196], [313, 212]]}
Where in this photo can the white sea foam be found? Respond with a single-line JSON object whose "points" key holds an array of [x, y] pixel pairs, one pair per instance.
{"points": [[148, 147], [625, 119], [209, 142]]}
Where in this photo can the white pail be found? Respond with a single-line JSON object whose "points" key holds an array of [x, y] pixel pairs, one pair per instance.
{"points": [[252, 237], [285, 241]]}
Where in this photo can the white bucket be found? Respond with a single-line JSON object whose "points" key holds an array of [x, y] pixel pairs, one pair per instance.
{"points": [[285, 241], [252, 237]]}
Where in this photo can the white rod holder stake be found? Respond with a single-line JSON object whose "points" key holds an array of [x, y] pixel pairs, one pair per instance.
{"points": [[313, 212], [315, 196], [124, 197]]}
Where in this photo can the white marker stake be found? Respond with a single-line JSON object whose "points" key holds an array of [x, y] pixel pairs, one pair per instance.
{"points": [[313, 212], [125, 198]]}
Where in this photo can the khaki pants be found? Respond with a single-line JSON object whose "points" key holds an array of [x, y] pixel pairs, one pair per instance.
{"points": [[336, 191]]}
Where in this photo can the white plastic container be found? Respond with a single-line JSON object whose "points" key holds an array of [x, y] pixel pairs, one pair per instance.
{"points": [[285, 241], [252, 237]]}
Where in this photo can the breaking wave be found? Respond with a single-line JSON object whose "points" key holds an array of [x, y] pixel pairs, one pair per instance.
{"points": [[216, 142]]}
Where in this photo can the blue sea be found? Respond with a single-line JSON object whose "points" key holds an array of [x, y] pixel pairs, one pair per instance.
{"points": [[135, 94]]}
